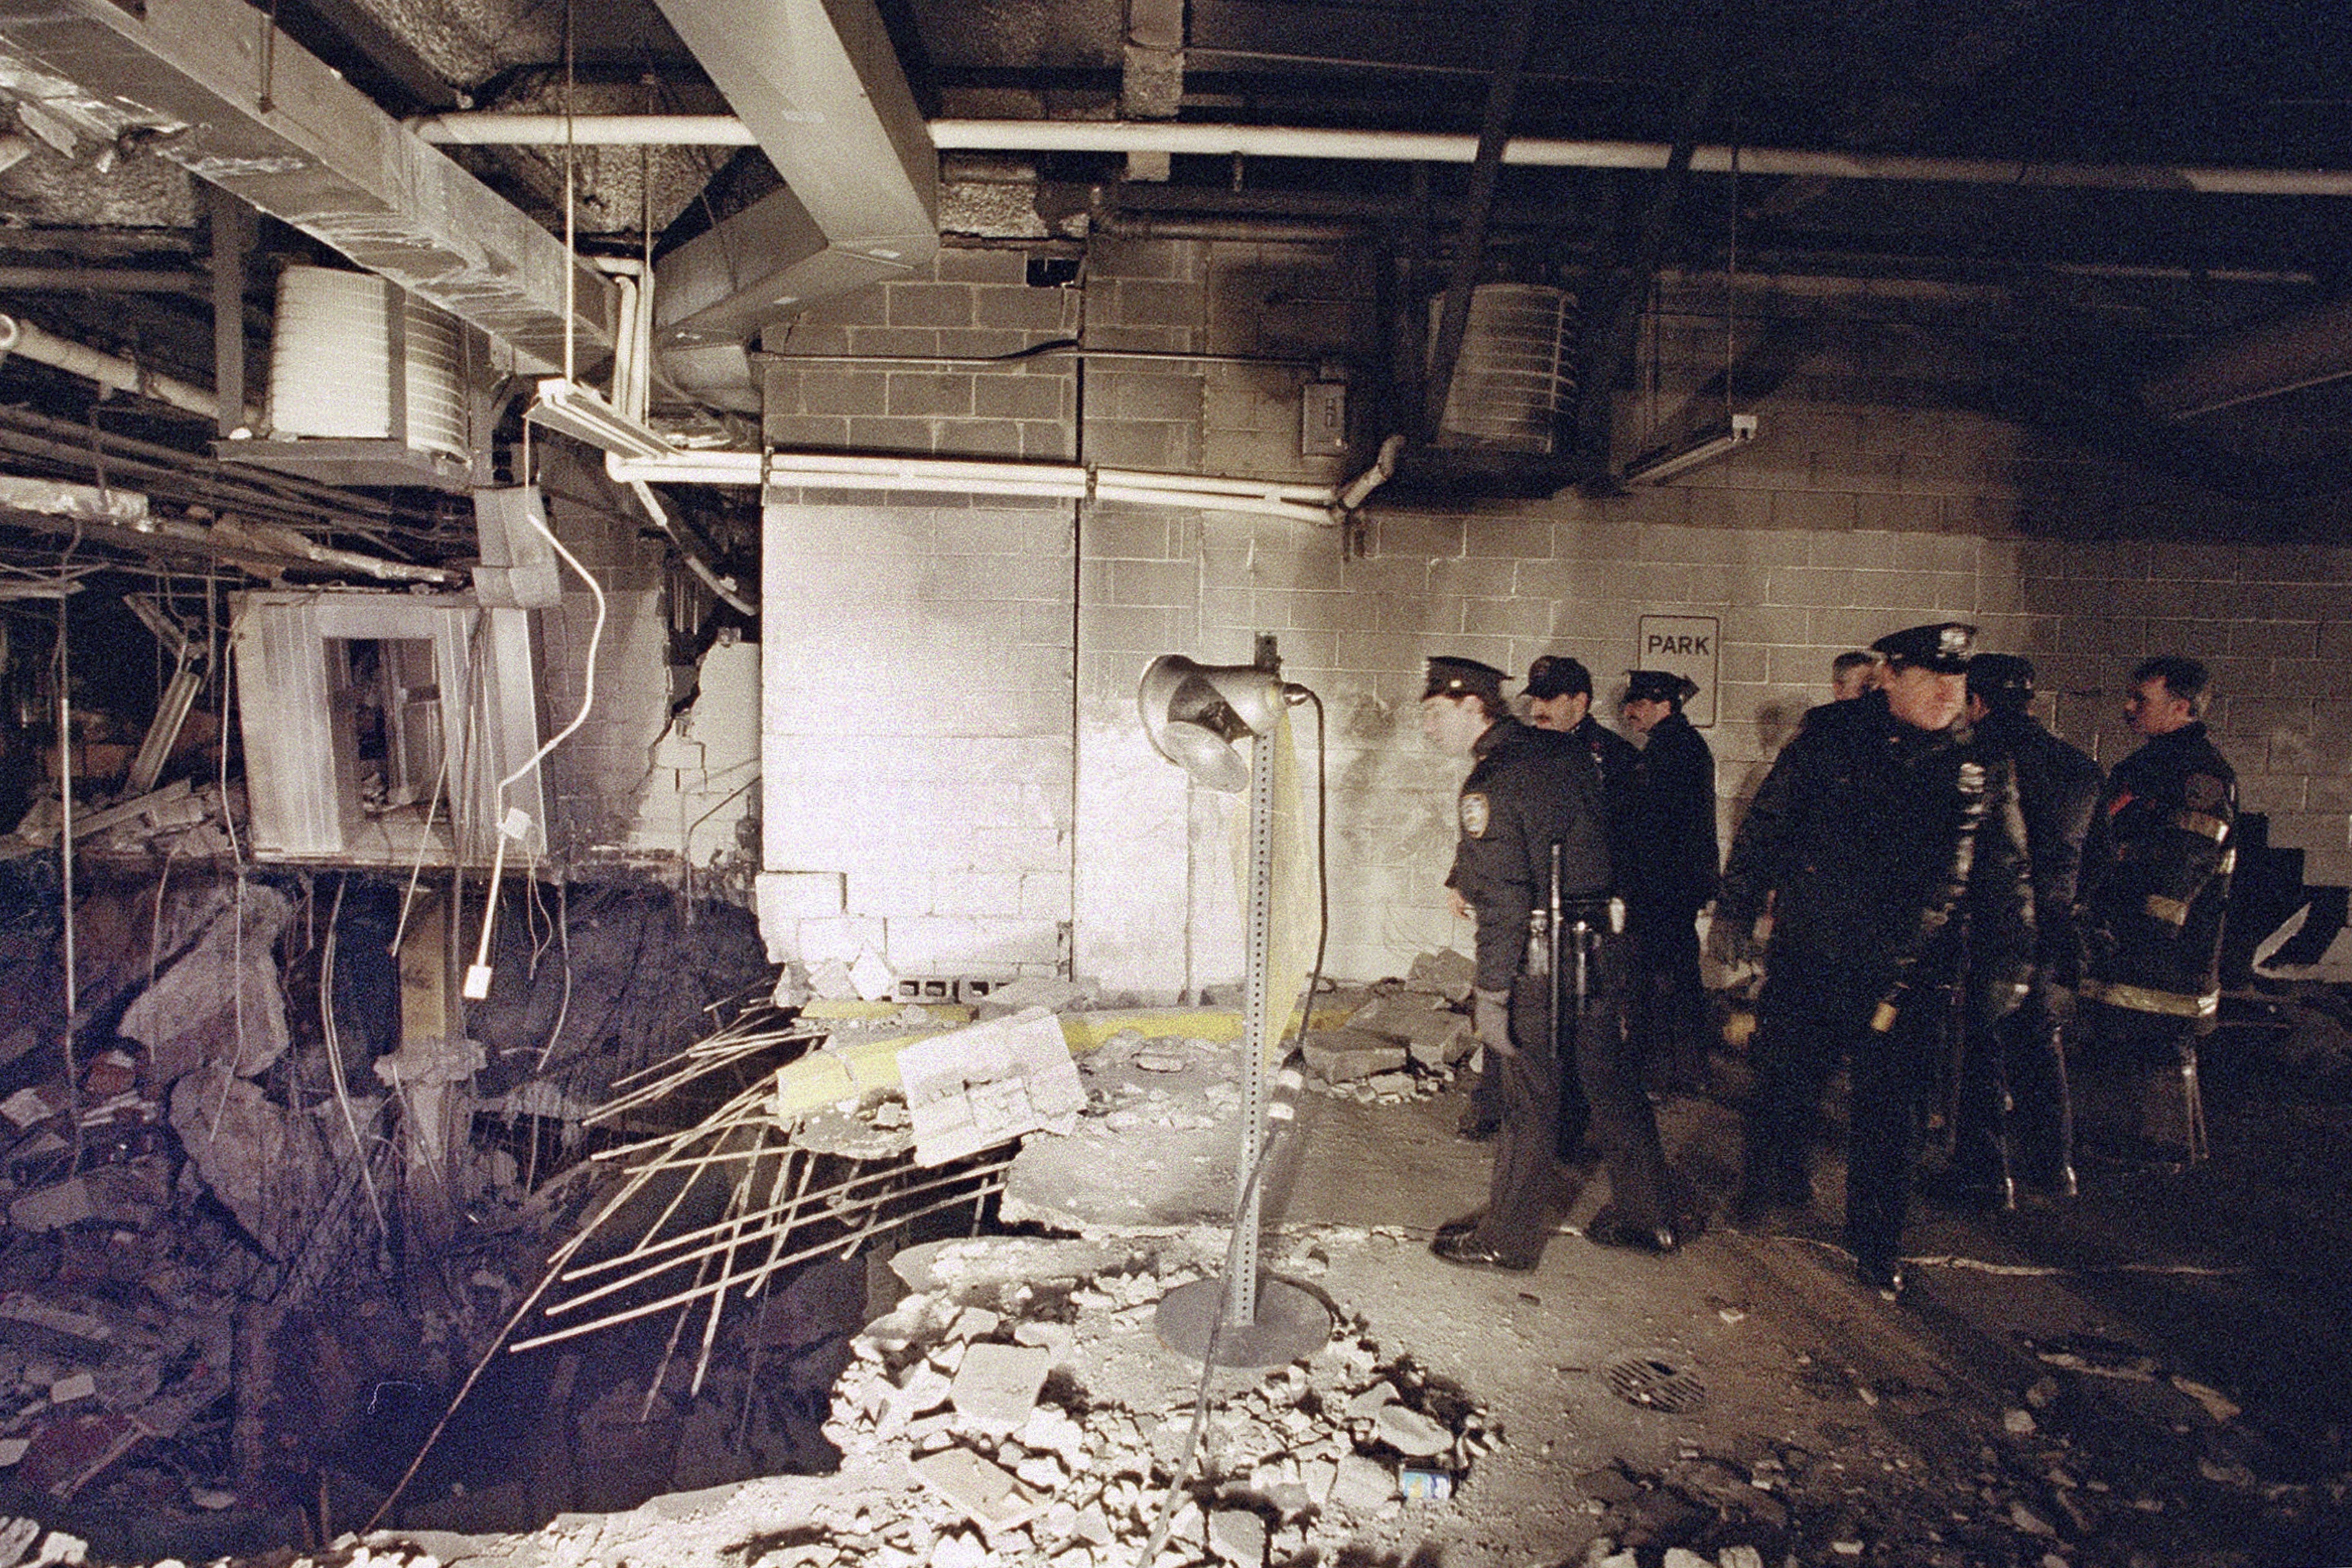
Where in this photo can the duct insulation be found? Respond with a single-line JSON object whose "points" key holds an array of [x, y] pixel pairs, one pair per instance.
{"points": [[1516, 376], [355, 355]]}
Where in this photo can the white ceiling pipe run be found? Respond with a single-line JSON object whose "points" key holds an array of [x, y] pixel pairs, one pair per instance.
{"points": [[20, 337], [1403, 146], [1316, 504]]}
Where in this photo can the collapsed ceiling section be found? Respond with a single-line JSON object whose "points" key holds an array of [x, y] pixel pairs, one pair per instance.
{"points": [[2141, 216]]}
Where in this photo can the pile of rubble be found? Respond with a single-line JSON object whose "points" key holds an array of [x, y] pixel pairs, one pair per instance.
{"points": [[1404, 1038], [1038, 1421]]}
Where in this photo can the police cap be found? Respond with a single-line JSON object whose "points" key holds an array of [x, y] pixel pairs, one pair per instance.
{"points": [[1556, 675], [1659, 685], [1449, 677], [1940, 646], [2001, 681]]}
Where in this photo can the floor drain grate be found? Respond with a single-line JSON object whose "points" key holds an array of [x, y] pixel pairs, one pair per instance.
{"points": [[1651, 1379]]}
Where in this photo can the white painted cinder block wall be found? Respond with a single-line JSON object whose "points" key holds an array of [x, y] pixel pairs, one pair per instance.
{"points": [[954, 774]]}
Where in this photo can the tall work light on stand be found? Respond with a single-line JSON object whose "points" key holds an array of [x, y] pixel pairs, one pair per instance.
{"points": [[1193, 713]]}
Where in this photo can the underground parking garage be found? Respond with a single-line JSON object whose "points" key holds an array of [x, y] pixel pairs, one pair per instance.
{"points": [[610, 957]]}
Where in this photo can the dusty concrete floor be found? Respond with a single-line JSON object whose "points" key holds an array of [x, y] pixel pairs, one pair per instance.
{"points": [[2153, 1375]]}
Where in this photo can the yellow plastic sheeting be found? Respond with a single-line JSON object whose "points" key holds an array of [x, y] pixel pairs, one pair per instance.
{"points": [[837, 1073]]}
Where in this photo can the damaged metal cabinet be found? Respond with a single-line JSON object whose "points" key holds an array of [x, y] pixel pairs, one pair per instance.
{"points": [[377, 726]]}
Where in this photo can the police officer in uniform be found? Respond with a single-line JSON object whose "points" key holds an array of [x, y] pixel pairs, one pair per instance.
{"points": [[1559, 695], [2156, 885], [1528, 791], [1882, 831], [1671, 873], [2012, 1119]]}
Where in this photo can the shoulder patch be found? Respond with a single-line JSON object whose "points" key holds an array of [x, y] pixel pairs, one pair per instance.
{"points": [[1476, 815], [2201, 792]]}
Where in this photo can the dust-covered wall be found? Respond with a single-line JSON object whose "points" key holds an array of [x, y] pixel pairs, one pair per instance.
{"points": [[1870, 502]]}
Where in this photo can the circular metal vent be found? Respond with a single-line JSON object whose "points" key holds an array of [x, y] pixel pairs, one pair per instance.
{"points": [[1651, 1379]]}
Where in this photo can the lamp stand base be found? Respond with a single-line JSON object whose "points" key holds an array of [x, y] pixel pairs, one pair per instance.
{"points": [[1290, 1323]]}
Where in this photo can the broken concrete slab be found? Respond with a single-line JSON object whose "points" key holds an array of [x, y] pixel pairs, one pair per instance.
{"points": [[222, 995], [1446, 973], [996, 1387], [1431, 1030], [1351, 1054], [975, 1087], [992, 1495]]}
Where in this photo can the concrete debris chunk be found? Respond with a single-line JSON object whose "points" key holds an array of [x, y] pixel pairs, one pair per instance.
{"points": [[1432, 1033], [997, 1385], [25, 1106], [972, 1089], [1363, 1484], [992, 1495], [54, 1207], [1351, 1056], [1238, 1536], [1409, 1432], [77, 1385], [1446, 973]]}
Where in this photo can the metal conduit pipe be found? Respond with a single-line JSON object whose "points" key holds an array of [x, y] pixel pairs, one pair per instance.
{"points": [[21, 337], [1319, 504], [1401, 146]]}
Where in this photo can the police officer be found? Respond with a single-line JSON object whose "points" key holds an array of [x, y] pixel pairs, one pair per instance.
{"points": [[1882, 829], [2012, 1118], [1671, 873], [1527, 792], [1559, 697], [2156, 884]]}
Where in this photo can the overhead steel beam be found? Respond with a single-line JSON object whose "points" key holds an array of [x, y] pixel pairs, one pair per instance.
{"points": [[210, 86], [817, 84]]}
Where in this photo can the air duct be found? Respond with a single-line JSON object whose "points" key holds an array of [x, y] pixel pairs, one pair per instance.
{"points": [[817, 83], [1513, 377]]}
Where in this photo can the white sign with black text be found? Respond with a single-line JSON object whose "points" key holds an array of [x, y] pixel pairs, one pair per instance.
{"points": [[1688, 644]]}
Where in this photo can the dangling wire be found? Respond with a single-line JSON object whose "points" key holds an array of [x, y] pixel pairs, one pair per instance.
{"points": [[1731, 276]]}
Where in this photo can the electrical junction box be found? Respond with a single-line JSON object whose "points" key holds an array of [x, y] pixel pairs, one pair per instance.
{"points": [[1323, 419]]}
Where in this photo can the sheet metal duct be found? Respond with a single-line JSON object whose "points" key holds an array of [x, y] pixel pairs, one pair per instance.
{"points": [[819, 86], [279, 129]]}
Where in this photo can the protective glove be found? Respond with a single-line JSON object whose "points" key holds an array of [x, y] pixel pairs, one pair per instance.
{"points": [[1731, 940], [2059, 1000], [1490, 1016]]}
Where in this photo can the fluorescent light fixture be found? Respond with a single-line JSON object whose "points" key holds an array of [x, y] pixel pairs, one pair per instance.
{"points": [[1657, 468], [584, 416]]}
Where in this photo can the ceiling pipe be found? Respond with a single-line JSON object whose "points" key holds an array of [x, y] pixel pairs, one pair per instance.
{"points": [[20, 337], [1323, 505], [1409, 146]]}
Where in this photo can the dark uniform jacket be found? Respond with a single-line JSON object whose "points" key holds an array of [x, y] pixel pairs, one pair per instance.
{"points": [[1873, 840], [2058, 790], [2156, 876], [1615, 758], [1527, 789], [1672, 823]]}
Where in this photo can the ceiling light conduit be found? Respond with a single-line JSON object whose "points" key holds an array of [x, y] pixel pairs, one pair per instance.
{"points": [[1408, 146]]}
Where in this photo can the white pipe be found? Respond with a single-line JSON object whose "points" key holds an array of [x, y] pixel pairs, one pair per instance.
{"points": [[491, 128], [856, 471], [1401, 146], [21, 337]]}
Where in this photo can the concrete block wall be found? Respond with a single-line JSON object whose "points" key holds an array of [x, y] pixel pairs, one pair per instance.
{"points": [[597, 778], [1849, 518]]}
